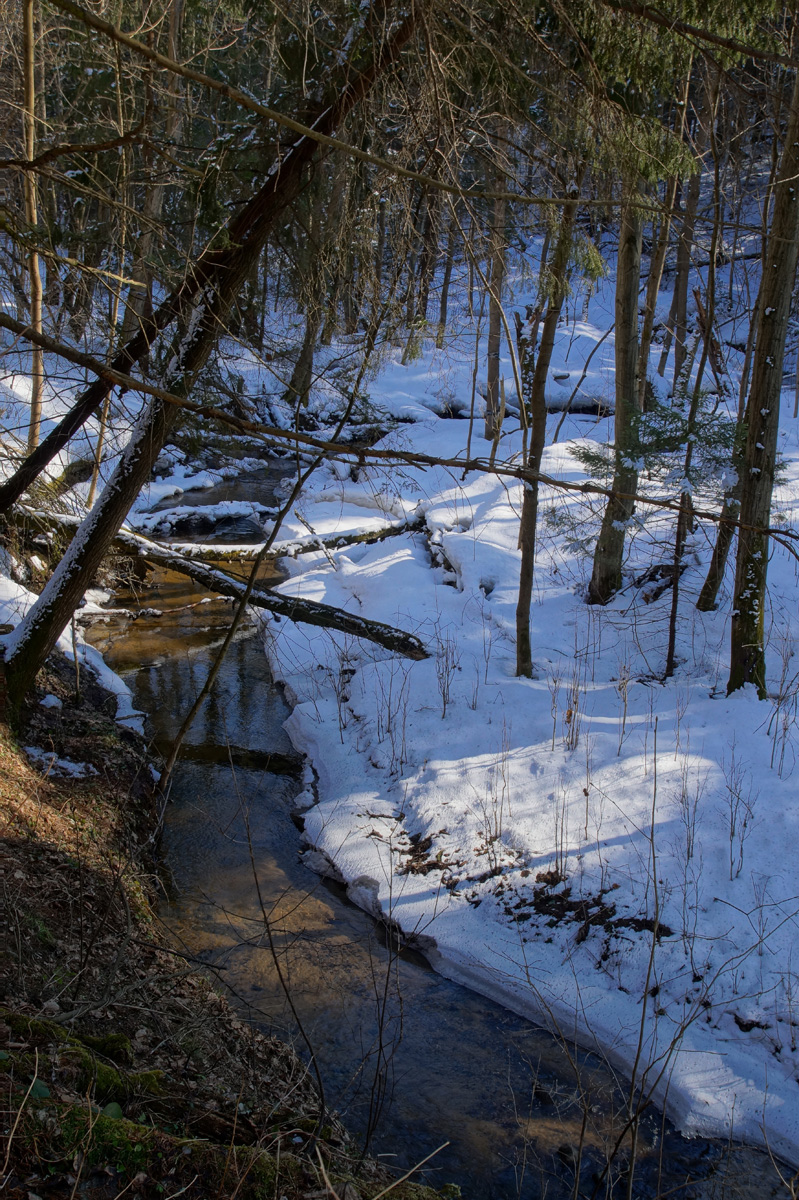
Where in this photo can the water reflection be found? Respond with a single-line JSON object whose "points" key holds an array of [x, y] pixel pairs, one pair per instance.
{"points": [[399, 1047]]}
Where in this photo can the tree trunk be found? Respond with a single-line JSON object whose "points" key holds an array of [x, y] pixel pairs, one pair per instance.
{"points": [[299, 388], [492, 418], [708, 597], [34, 638], [747, 651], [684, 248], [449, 259], [380, 253], [656, 266], [427, 257], [606, 577], [677, 325], [337, 214], [123, 187], [558, 275], [707, 318], [31, 217], [139, 300]]}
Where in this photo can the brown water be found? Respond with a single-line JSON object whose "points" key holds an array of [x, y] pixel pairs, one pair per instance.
{"points": [[410, 1059]]}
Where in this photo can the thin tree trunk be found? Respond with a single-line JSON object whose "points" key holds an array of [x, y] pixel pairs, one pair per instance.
{"points": [[336, 214], [606, 577], [684, 248], [676, 330], [652, 289], [747, 650], [656, 266], [449, 258], [730, 512], [492, 423], [299, 388], [409, 302], [558, 275], [349, 296], [139, 301], [380, 253], [707, 317], [113, 315], [427, 258], [34, 638], [32, 217]]}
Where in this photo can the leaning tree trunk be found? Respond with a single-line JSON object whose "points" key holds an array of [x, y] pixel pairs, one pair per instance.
{"points": [[34, 638], [747, 652], [606, 576], [558, 274]]}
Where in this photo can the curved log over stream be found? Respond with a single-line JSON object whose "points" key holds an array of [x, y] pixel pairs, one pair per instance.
{"points": [[308, 612]]}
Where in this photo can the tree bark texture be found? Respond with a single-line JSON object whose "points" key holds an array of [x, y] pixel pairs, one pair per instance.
{"points": [[492, 419], [606, 577], [747, 650]]}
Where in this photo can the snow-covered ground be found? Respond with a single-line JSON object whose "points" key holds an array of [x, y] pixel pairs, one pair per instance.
{"points": [[531, 835], [15, 600], [605, 852]]}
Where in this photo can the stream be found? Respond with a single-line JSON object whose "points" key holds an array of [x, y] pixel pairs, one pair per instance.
{"points": [[408, 1058]]}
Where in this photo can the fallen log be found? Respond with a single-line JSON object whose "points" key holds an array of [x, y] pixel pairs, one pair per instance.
{"points": [[208, 552], [307, 612]]}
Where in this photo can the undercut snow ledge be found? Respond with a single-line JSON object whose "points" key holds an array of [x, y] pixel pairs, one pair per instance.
{"points": [[15, 600], [447, 796], [702, 1080]]}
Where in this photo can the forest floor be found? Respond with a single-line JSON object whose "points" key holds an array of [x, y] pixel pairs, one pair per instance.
{"points": [[124, 1071]]}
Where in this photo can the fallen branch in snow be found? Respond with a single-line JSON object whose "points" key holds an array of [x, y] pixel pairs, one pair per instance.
{"points": [[275, 436], [208, 552], [307, 612]]}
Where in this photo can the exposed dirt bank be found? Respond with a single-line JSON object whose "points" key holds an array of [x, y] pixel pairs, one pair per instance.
{"points": [[124, 1071]]}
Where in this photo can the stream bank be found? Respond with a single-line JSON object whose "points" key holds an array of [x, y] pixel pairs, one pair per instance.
{"points": [[123, 1070], [524, 1113]]}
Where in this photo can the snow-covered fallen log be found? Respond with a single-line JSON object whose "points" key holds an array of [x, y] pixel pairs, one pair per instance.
{"points": [[307, 612]]}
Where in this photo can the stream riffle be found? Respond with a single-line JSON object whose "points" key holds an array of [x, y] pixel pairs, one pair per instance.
{"points": [[410, 1059]]}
